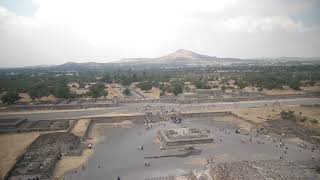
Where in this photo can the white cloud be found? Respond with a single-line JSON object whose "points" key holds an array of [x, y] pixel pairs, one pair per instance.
{"points": [[105, 30], [263, 24]]}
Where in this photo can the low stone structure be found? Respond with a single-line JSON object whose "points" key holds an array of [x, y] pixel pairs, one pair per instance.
{"points": [[172, 138], [80, 129], [24, 125], [11, 123], [39, 160]]}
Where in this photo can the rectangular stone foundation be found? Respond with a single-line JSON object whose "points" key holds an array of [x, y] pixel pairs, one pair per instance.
{"points": [[187, 137]]}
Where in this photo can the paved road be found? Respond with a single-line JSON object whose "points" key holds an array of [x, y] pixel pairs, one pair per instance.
{"points": [[139, 108]]}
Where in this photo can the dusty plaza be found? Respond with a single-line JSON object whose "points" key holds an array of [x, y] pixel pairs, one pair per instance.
{"points": [[156, 140]]}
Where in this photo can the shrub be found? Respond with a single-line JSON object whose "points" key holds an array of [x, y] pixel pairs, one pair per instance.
{"points": [[97, 90], [303, 119], [287, 115], [126, 92], [10, 97]]}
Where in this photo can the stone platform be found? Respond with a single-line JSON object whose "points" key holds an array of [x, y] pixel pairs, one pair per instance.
{"points": [[172, 138]]}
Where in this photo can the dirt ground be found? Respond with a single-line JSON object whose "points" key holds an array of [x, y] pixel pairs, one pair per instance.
{"points": [[49, 98], [263, 114], [80, 127], [113, 92], [12, 146], [243, 125], [258, 115], [154, 93], [25, 98], [269, 117], [311, 88], [282, 92], [70, 163]]}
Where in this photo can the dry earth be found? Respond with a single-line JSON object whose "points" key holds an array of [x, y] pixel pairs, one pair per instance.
{"points": [[12, 146]]}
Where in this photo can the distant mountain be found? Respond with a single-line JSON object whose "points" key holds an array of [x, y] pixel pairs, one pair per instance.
{"points": [[179, 58], [182, 58]]}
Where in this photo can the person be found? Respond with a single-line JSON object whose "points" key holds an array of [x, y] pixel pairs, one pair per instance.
{"points": [[118, 178]]}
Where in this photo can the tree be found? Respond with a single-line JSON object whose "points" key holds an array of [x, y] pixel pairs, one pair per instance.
{"points": [[10, 97], [62, 91], [97, 90], [126, 92], [201, 83], [134, 78], [106, 78], [145, 86], [177, 87], [242, 84], [294, 84], [223, 88], [38, 90], [124, 80]]}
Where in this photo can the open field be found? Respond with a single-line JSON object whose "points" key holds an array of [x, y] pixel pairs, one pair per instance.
{"points": [[263, 114], [154, 93]]}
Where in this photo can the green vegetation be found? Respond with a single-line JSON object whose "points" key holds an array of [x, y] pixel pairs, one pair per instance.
{"points": [[315, 121], [38, 90], [223, 88], [10, 97], [177, 87], [126, 92], [294, 84], [62, 91], [318, 169], [287, 115], [145, 86], [241, 84], [97, 90], [201, 83], [43, 82]]}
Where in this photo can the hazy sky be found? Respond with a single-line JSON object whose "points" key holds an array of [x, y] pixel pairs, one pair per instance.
{"points": [[34, 32]]}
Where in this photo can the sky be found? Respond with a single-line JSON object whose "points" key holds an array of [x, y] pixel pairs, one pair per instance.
{"points": [[48, 32]]}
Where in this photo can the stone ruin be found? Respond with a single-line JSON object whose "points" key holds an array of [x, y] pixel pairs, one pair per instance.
{"points": [[16, 125], [244, 170], [172, 138], [40, 158]]}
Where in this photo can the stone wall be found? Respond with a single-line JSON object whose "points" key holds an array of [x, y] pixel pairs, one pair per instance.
{"points": [[42, 154]]}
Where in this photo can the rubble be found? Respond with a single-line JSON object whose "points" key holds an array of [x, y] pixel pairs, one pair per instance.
{"points": [[264, 169], [39, 160]]}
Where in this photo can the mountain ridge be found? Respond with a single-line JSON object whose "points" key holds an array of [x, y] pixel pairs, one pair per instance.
{"points": [[179, 58]]}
